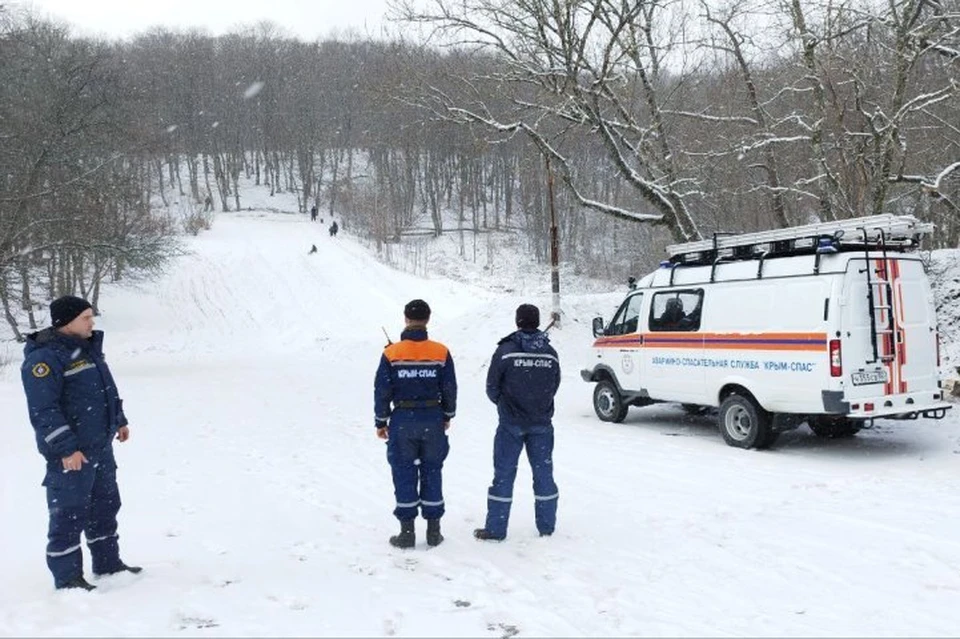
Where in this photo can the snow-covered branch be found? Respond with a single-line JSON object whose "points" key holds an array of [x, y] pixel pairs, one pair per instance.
{"points": [[706, 117], [775, 140], [935, 184], [925, 100]]}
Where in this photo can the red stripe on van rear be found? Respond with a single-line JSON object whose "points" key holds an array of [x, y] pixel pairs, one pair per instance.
{"points": [[901, 333], [886, 340]]}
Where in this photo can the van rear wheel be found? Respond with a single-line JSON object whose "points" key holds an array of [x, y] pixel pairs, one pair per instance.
{"points": [[834, 427], [608, 403], [743, 423]]}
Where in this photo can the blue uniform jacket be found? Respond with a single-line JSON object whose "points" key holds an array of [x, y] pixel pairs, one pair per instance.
{"points": [[417, 378], [524, 376], [71, 396]]}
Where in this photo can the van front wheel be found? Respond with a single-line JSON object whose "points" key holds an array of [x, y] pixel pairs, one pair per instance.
{"points": [[743, 423], [608, 403]]}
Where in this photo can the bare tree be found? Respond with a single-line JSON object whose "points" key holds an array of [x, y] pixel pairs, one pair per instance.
{"points": [[591, 65], [72, 201]]}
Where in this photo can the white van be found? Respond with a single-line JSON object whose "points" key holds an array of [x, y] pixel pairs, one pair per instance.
{"points": [[832, 324]]}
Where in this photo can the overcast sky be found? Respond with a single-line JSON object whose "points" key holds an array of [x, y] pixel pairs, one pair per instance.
{"points": [[307, 19]]}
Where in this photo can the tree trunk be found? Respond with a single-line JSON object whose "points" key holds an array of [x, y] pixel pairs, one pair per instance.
{"points": [[163, 195], [27, 302], [5, 300]]}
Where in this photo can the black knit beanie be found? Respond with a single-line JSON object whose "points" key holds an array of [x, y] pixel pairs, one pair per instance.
{"points": [[64, 310], [528, 316], [417, 310]]}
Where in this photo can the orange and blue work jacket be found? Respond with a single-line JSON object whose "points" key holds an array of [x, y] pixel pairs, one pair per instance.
{"points": [[415, 382]]}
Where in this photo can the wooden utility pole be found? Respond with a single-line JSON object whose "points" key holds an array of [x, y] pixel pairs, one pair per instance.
{"points": [[554, 250]]}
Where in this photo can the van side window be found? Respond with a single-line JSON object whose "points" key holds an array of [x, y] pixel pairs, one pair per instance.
{"points": [[676, 311], [627, 319]]}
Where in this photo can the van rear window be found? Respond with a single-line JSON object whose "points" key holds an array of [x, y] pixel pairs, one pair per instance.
{"points": [[676, 310]]}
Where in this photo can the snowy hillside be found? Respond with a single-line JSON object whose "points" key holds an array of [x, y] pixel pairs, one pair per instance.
{"points": [[259, 501], [945, 278]]}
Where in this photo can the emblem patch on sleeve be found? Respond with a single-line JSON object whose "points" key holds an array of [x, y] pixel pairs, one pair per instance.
{"points": [[40, 370]]}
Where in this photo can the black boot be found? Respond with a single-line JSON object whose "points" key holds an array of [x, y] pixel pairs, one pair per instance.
{"points": [[434, 538], [407, 537], [77, 582], [485, 535], [123, 568]]}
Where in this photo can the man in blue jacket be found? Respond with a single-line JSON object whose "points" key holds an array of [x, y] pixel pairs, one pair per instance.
{"points": [[76, 412], [522, 380], [415, 397]]}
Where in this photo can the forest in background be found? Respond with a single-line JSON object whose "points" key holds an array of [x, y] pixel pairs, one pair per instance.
{"points": [[658, 121]]}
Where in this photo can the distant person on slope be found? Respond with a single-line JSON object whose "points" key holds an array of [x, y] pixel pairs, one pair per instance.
{"points": [[415, 397], [76, 412], [522, 380], [313, 213], [333, 229]]}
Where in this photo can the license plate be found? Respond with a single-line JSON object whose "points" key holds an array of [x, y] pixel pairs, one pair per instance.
{"points": [[861, 378]]}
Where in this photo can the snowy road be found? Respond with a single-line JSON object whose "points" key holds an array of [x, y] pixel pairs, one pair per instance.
{"points": [[259, 500]]}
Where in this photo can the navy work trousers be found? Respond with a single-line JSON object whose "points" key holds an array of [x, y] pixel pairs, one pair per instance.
{"points": [[509, 441], [416, 452], [87, 501]]}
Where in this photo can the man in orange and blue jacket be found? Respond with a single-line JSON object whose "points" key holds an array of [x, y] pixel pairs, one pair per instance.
{"points": [[416, 376]]}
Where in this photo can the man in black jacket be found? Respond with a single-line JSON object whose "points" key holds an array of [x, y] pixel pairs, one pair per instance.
{"points": [[522, 381]]}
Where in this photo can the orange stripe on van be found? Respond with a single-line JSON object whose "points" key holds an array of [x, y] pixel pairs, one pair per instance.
{"points": [[413, 351], [746, 341], [814, 342], [619, 341]]}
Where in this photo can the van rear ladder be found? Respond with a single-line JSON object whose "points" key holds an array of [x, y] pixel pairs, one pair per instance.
{"points": [[880, 300]]}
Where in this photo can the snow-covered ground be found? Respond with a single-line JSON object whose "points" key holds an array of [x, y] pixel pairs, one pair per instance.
{"points": [[259, 501]]}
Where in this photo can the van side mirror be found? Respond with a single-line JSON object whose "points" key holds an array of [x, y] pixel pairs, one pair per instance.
{"points": [[597, 326]]}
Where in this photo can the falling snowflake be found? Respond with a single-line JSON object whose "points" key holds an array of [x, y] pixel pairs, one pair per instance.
{"points": [[252, 90]]}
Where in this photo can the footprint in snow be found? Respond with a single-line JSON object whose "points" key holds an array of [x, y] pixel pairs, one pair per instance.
{"points": [[506, 630], [186, 622]]}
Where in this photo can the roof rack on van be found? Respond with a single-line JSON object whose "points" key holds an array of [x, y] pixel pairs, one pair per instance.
{"points": [[887, 232]]}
